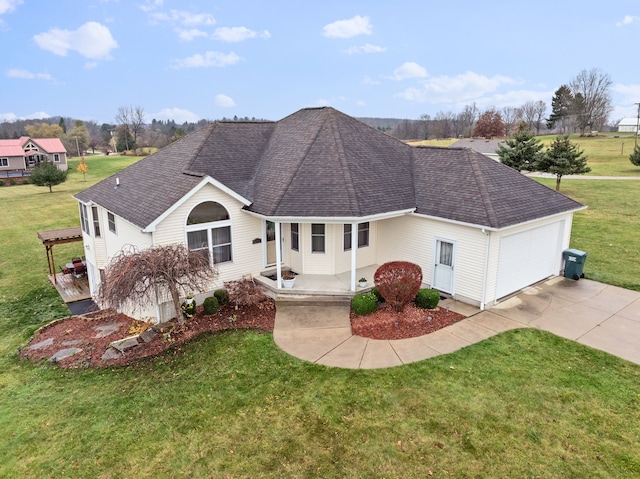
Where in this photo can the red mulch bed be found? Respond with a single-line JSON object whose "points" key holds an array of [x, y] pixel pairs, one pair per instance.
{"points": [[385, 323], [80, 332]]}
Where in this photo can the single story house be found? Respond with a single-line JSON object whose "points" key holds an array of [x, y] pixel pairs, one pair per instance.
{"points": [[20, 155], [486, 146], [628, 125], [336, 195]]}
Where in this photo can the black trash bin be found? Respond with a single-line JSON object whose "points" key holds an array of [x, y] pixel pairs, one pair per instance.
{"points": [[574, 260]]}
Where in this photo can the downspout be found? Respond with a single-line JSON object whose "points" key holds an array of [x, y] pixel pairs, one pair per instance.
{"points": [[278, 255], [354, 249], [486, 268]]}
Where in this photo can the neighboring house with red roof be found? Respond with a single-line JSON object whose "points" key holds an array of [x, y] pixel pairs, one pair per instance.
{"points": [[339, 196], [18, 156]]}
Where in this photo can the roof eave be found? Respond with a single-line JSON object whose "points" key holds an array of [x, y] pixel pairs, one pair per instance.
{"points": [[332, 219]]}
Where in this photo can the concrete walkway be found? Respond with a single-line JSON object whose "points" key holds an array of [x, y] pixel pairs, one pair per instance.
{"points": [[595, 314]]}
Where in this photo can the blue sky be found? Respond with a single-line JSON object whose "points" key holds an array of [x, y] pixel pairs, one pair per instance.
{"points": [[192, 59]]}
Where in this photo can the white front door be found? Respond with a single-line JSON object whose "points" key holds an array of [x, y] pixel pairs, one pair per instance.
{"points": [[443, 266], [270, 242]]}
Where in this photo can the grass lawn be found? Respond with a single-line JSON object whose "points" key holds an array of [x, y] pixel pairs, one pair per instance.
{"points": [[608, 156], [609, 230], [521, 404]]}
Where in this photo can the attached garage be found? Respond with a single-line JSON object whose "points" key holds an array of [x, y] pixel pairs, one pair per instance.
{"points": [[528, 257]]}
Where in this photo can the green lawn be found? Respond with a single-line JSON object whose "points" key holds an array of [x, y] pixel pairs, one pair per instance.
{"points": [[608, 155], [521, 404]]}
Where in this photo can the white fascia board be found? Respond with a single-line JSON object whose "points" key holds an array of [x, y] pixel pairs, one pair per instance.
{"points": [[489, 228], [205, 181], [332, 219]]}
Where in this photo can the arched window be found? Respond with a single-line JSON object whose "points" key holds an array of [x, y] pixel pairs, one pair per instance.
{"points": [[209, 231]]}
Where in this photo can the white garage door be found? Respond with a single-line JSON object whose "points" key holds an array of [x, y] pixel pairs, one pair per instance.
{"points": [[528, 257]]}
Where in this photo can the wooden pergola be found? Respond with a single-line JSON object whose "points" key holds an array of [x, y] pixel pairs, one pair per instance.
{"points": [[53, 237]]}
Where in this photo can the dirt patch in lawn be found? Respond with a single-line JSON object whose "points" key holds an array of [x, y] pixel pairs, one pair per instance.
{"points": [[385, 323]]}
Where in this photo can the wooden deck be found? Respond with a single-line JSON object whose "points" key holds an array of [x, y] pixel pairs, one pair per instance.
{"points": [[70, 288]]}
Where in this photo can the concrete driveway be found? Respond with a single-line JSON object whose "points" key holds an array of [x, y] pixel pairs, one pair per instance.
{"points": [[591, 313], [595, 314]]}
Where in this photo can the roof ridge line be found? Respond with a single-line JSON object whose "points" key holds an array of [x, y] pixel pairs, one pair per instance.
{"points": [[300, 162], [345, 169], [185, 169], [482, 186]]}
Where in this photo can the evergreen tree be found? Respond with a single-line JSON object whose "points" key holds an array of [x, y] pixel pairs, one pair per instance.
{"points": [[563, 158], [62, 125], [48, 174], [523, 151], [635, 156], [561, 104]]}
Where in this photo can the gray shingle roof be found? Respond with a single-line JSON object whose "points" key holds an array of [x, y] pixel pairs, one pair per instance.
{"points": [[319, 162]]}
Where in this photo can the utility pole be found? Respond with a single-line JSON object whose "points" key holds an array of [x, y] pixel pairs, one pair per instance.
{"points": [[637, 125]]}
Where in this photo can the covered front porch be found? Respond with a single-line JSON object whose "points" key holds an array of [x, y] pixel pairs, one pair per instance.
{"points": [[338, 285]]}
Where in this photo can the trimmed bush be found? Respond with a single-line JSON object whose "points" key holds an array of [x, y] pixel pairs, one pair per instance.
{"points": [[210, 305], [427, 298], [365, 303], [222, 296], [375, 291], [1, 182], [398, 282]]}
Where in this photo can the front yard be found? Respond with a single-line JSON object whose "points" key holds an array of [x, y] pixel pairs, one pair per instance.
{"points": [[521, 404]]}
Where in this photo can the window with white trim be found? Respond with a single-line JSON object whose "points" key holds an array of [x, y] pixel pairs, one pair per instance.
{"points": [[84, 219], [56, 157], [209, 231], [295, 236], [317, 238], [96, 221], [111, 220], [4, 161], [363, 236]]}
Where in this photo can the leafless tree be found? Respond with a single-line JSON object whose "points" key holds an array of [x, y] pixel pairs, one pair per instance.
{"points": [[137, 121], [135, 278], [511, 116], [539, 112], [596, 104], [529, 113], [123, 118], [467, 119]]}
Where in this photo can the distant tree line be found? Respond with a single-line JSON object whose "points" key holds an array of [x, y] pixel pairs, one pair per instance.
{"points": [[582, 105]]}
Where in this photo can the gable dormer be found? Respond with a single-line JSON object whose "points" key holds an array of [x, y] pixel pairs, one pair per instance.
{"points": [[30, 146]]}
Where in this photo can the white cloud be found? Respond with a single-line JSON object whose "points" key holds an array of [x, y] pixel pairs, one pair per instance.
{"points": [[190, 34], [209, 59], [237, 34], [91, 40], [223, 101], [348, 28], [179, 115], [409, 70], [90, 65], [183, 17], [368, 48], [9, 117], [26, 74], [445, 89], [367, 80], [628, 20], [629, 93], [8, 6], [150, 5]]}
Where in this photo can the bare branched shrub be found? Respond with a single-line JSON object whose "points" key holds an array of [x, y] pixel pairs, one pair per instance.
{"points": [[139, 277], [398, 282], [245, 292]]}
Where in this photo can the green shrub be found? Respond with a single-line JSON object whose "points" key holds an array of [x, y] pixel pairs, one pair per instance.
{"points": [[222, 296], [210, 305], [375, 291], [365, 303], [1, 182], [427, 298], [12, 182]]}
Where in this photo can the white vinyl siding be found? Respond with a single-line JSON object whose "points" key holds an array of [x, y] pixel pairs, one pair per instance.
{"points": [[247, 256], [412, 238]]}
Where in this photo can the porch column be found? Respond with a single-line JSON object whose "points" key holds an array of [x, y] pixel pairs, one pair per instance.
{"points": [[354, 249], [278, 255]]}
